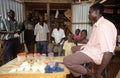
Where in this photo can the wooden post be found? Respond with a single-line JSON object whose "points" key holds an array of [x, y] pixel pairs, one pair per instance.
{"points": [[25, 11], [48, 20]]}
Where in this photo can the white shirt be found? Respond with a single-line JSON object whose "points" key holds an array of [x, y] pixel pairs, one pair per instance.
{"points": [[58, 34], [41, 32]]}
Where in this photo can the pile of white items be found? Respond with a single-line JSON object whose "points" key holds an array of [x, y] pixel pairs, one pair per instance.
{"points": [[25, 66]]}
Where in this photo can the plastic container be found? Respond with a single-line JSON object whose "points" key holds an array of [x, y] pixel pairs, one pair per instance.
{"points": [[36, 56], [21, 56], [43, 56], [30, 57], [50, 54]]}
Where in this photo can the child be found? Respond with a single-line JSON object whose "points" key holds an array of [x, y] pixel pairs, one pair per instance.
{"points": [[77, 36], [84, 39], [68, 44]]}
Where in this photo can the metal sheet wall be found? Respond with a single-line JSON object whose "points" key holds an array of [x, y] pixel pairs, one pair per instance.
{"points": [[80, 17], [6, 5]]}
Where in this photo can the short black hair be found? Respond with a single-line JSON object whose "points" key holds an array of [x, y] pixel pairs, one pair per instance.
{"points": [[11, 11], [78, 30], [98, 6]]}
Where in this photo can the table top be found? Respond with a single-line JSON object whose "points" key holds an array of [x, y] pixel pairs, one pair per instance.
{"points": [[5, 70]]}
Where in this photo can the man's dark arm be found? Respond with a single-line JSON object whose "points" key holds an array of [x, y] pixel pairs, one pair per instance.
{"points": [[61, 40], [106, 59]]}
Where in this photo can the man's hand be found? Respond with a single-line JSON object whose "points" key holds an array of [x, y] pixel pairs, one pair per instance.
{"points": [[82, 47]]}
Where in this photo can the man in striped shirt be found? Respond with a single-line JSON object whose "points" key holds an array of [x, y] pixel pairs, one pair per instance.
{"points": [[9, 30]]}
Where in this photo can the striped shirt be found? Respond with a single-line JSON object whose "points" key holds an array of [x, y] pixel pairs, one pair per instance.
{"points": [[8, 25]]}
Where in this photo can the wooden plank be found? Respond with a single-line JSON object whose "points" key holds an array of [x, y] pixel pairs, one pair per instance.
{"points": [[46, 1]]}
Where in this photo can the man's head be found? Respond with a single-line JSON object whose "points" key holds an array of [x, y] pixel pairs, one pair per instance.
{"points": [[29, 16], [11, 14], [56, 24], [41, 20], [95, 12]]}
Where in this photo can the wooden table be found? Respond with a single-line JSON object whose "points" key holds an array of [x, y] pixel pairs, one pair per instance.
{"points": [[4, 71]]}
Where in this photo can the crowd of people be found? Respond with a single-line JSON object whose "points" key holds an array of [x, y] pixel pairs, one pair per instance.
{"points": [[36, 32], [100, 45]]}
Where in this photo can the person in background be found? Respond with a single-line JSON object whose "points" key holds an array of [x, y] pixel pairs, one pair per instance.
{"points": [[99, 48], [68, 44], [77, 36], [58, 37], [41, 33], [82, 42], [84, 39], [10, 37], [29, 33]]}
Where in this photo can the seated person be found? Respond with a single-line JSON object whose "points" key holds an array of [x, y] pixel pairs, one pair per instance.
{"points": [[99, 49], [68, 44], [84, 39], [77, 36], [82, 42]]}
